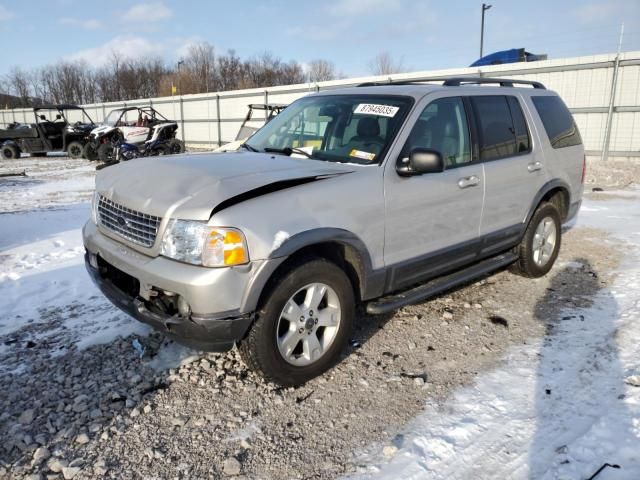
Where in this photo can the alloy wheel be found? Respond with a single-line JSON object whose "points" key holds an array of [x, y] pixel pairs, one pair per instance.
{"points": [[308, 324]]}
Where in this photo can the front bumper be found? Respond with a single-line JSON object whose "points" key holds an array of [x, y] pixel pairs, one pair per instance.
{"points": [[221, 300], [214, 333]]}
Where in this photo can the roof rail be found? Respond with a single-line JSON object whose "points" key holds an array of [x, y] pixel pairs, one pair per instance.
{"points": [[458, 81]]}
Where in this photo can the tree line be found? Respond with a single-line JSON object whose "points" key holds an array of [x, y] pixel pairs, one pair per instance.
{"points": [[200, 70]]}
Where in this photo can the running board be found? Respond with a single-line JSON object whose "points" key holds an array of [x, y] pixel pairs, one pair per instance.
{"points": [[438, 285]]}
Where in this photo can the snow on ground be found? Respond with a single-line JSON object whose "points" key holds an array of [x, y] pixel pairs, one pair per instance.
{"points": [[557, 408], [45, 291], [49, 182]]}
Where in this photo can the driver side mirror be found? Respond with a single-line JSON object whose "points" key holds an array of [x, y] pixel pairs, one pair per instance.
{"points": [[419, 162], [42, 117]]}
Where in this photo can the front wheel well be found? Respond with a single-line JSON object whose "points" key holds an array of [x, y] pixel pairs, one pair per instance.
{"points": [[342, 255]]}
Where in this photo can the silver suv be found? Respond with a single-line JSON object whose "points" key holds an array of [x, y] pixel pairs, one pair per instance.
{"points": [[377, 195]]}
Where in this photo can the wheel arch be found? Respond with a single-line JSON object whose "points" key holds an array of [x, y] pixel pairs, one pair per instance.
{"points": [[555, 191], [339, 246]]}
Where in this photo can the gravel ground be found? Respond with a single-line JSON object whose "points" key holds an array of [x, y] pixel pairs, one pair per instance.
{"points": [[106, 412]]}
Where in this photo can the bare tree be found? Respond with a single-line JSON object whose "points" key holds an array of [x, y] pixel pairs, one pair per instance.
{"points": [[122, 78], [200, 65], [17, 81], [385, 64], [320, 71]]}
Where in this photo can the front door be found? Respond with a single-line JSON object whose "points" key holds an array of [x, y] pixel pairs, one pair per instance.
{"points": [[433, 220]]}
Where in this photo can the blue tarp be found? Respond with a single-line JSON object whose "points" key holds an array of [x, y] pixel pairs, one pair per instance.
{"points": [[508, 56]]}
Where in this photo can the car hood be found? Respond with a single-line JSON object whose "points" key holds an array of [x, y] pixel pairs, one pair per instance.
{"points": [[191, 186]]}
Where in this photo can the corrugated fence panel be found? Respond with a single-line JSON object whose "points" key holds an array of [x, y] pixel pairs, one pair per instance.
{"points": [[583, 82]]}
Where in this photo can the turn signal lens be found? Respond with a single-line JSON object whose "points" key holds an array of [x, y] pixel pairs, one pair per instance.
{"points": [[225, 246], [235, 252]]}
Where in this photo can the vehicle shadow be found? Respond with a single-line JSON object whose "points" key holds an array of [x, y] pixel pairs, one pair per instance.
{"points": [[579, 377]]}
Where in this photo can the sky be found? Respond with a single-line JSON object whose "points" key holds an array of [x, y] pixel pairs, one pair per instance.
{"points": [[422, 35]]}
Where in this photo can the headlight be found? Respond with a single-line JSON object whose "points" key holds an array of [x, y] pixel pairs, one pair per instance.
{"points": [[94, 207], [200, 244]]}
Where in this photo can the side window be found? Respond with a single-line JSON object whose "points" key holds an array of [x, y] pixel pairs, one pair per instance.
{"points": [[443, 126], [497, 138], [558, 122], [523, 143]]}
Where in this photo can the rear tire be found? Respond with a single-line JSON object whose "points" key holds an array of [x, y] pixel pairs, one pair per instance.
{"points": [[9, 152], [540, 245], [290, 343], [90, 152], [75, 150], [105, 152]]}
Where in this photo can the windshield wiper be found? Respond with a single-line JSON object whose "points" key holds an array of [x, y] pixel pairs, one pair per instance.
{"points": [[248, 147], [288, 151]]}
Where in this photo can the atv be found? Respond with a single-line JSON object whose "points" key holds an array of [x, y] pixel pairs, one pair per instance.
{"points": [[132, 125], [245, 130], [52, 132]]}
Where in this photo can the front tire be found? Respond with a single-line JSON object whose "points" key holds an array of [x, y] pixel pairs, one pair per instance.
{"points": [[175, 146], [75, 150], [105, 152], [302, 326], [540, 245], [90, 152]]}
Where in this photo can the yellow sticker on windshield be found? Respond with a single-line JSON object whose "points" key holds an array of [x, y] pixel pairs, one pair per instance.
{"points": [[362, 155]]}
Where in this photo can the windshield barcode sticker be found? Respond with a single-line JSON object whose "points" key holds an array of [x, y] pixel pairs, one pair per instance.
{"points": [[373, 109]]}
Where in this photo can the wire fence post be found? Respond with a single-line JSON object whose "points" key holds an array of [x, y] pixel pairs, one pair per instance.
{"points": [[218, 120], [612, 96], [266, 102]]}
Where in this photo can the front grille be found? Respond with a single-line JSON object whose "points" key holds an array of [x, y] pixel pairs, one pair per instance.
{"points": [[137, 227]]}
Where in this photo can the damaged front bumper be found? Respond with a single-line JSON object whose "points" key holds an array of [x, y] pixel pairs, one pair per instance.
{"points": [[206, 308], [213, 333]]}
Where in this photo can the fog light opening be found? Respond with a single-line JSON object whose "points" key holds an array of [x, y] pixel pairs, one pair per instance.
{"points": [[184, 309]]}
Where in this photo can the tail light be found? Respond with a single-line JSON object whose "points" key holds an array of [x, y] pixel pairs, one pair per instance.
{"points": [[584, 168]]}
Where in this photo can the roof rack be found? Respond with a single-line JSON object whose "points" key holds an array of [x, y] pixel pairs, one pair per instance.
{"points": [[458, 81]]}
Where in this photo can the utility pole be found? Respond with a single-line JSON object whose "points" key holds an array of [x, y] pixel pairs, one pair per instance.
{"points": [[180, 63], [485, 7]]}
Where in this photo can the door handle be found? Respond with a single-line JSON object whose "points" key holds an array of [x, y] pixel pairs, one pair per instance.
{"points": [[534, 167], [467, 182]]}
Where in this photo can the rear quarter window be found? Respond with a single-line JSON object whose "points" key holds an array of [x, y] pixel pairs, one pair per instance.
{"points": [[558, 122]]}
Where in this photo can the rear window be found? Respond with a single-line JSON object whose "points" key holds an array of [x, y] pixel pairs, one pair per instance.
{"points": [[558, 122]]}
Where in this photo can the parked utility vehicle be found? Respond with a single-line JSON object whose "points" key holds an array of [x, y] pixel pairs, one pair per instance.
{"points": [[51, 132], [380, 195], [245, 131], [133, 125]]}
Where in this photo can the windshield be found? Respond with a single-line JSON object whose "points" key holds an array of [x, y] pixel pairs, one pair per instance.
{"points": [[338, 128], [112, 118]]}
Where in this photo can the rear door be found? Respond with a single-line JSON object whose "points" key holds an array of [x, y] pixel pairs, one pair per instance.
{"points": [[432, 220], [513, 164]]}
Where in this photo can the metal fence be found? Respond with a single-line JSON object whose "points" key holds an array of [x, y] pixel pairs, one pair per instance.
{"points": [[587, 85]]}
